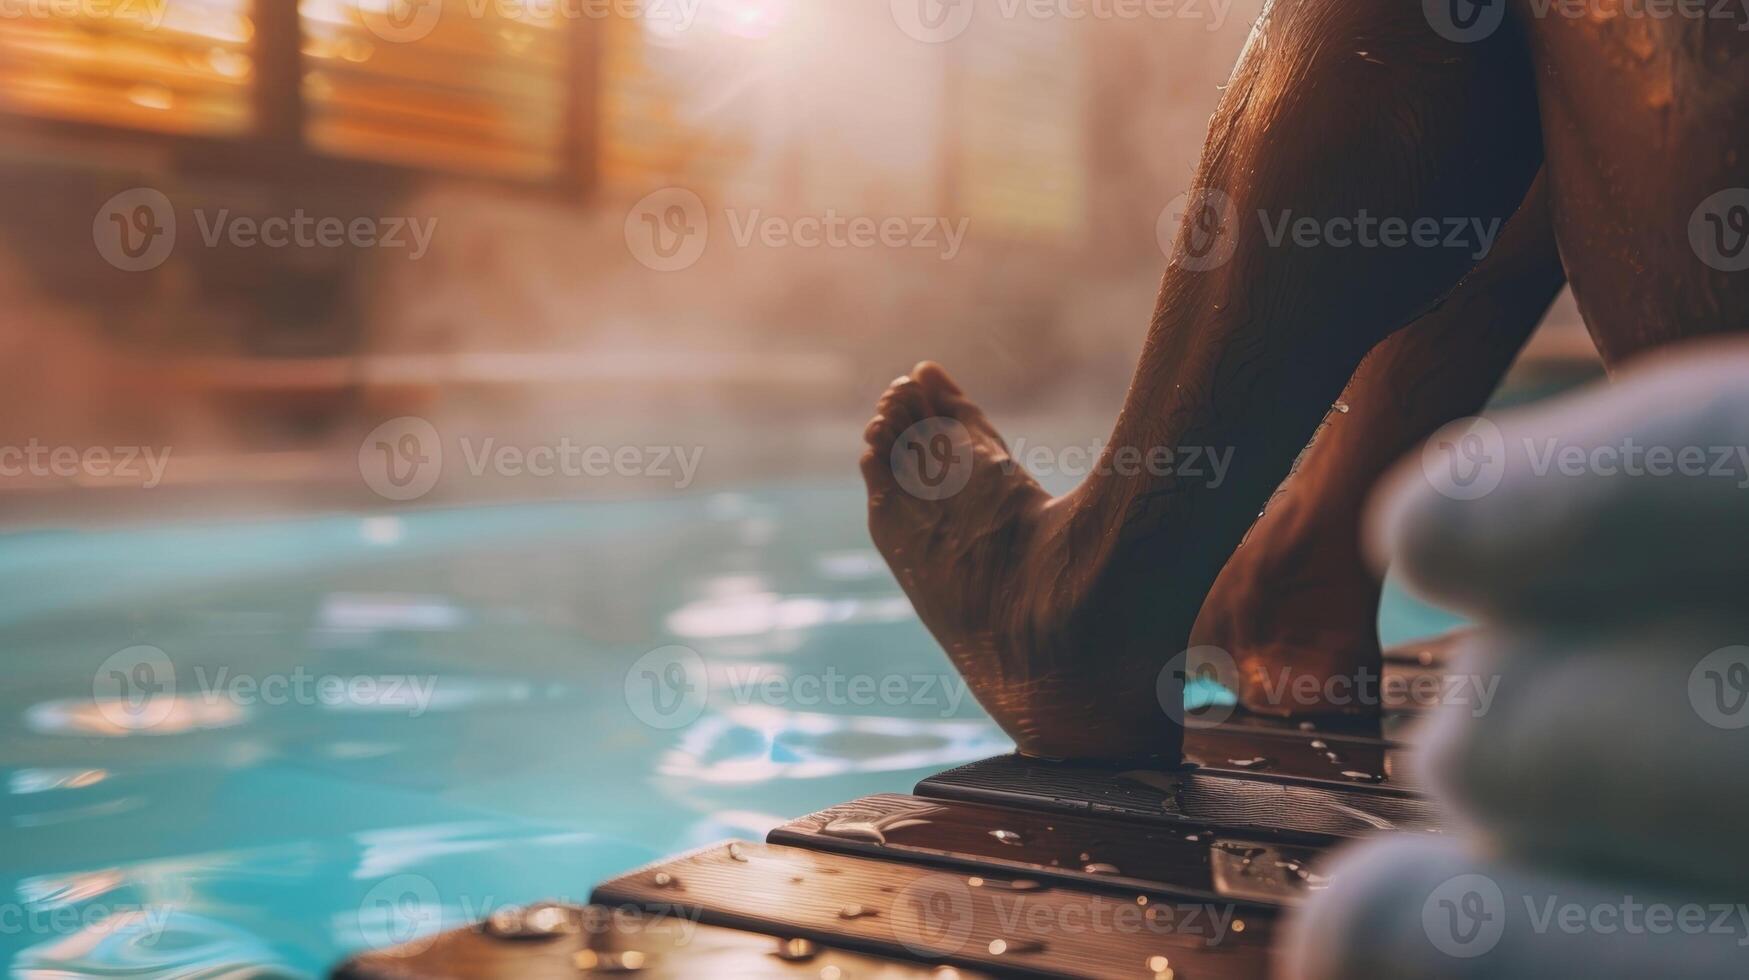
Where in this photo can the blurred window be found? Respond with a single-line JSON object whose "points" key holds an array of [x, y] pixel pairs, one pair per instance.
{"points": [[1020, 162], [692, 100], [479, 86], [474, 85], [177, 66]]}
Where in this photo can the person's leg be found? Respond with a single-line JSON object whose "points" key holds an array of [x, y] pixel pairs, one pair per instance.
{"points": [[1646, 121], [1061, 613], [1297, 599]]}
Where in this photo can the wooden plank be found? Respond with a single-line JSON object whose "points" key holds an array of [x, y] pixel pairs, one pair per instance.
{"points": [[1396, 728], [1009, 925], [1184, 797], [559, 942], [1294, 757], [1096, 855]]}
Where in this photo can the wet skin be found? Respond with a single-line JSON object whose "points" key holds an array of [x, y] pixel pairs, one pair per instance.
{"points": [[1297, 598], [1062, 613]]}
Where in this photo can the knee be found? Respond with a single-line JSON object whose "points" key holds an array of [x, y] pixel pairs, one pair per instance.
{"points": [[1370, 84]]}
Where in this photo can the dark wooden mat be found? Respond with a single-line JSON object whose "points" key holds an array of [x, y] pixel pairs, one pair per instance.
{"points": [[1185, 798], [1006, 924], [559, 942], [1076, 852], [1296, 757]]}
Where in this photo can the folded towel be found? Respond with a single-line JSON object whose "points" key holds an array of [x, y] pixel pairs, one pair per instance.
{"points": [[1633, 489], [1431, 908], [1626, 753]]}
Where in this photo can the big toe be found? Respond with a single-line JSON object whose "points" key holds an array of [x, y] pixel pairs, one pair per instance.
{"points": [[950, 401], [935, 381], [901, 406]]}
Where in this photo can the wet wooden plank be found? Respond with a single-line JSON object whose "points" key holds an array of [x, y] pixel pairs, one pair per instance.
{"points": [[1396, 728], [560, 942], [1185, 798], [1099, 855], [1010, 925], [1294, 757]]}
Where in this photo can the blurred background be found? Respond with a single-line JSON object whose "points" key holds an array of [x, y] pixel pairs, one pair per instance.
{"points": [[1028, 156], [282, 281]]}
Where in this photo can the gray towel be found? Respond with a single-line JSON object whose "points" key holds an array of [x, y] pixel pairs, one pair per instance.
{"points": [[1433, 909], [1624, 751], [1636, 490]]}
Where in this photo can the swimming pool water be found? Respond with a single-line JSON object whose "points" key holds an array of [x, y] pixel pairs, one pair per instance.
{"points": [[354, 729]]}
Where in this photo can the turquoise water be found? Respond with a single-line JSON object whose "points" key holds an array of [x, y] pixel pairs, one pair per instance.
{"points": [[246, 807]]}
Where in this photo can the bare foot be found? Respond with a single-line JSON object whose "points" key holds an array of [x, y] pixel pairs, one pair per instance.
{"points": [[1297, 609], [1061, 647]]}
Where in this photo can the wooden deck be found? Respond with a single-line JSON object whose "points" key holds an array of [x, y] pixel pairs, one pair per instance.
{"points": [[1006, 867]]}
